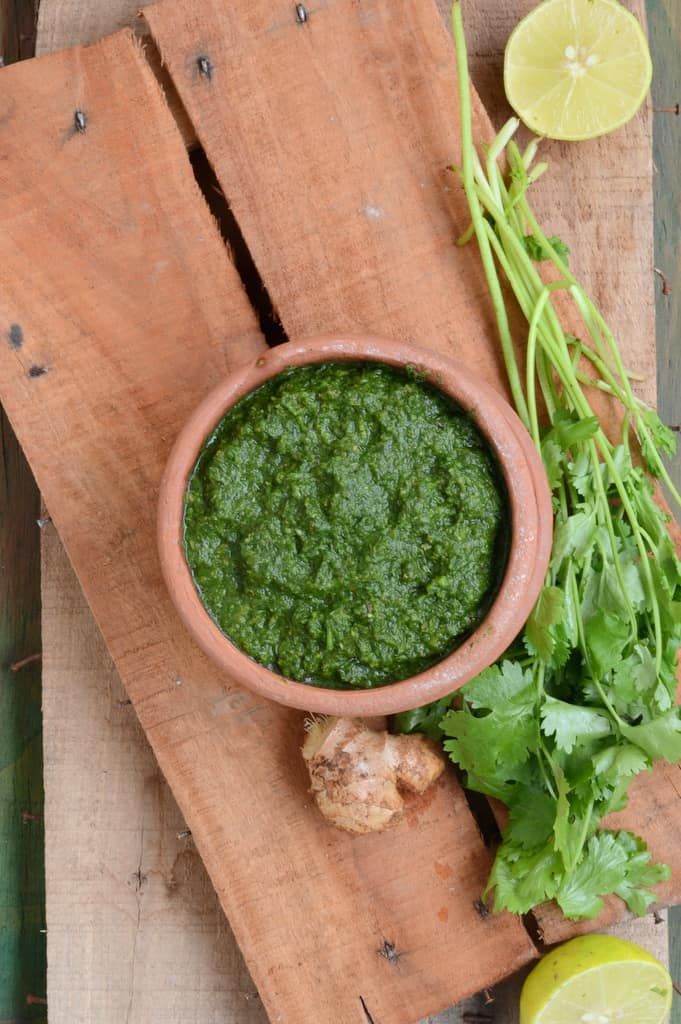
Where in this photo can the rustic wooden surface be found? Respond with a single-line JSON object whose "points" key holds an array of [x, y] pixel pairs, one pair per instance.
{"points": [[22, 839], [664, 17], [80, 20], [110, 394], [339, 180], [380, 216], [22, 891], [17, 29], [136, 933]]}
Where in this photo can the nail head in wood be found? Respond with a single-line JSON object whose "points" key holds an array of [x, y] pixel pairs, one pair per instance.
{"points": [[42, 523], [205, 67], [37, 371], [80, 121], [301, 14]]}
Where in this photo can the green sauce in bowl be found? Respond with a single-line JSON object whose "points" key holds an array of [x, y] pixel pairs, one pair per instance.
{"points": [[345, 524]]}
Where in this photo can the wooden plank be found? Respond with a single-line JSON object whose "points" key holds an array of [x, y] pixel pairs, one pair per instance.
{"points": [[387, 153], [136, 932], [664, 19], [373, 163], [339, 181], [17, 29], [490, 22], [65, 23], [22, 874], [111, 398], [665, 24], [22, 887]]}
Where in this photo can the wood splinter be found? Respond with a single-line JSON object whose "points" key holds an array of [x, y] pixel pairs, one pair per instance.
{"points": [[23, 662], [666, 287]]}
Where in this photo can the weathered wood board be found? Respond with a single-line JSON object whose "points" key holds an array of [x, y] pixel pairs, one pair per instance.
{"points": [[135, 930], [22, 890], [114, 395], [603, 201]]}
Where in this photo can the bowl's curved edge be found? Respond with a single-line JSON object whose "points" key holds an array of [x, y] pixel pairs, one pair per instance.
{"points": [[531, 530]]}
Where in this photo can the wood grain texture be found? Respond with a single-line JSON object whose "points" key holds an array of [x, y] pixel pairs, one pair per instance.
{"points": [[17, 29], [138, 315], [22, 886], [597, 195], [664, 19], [490, 24], [331, 141], [65, 23], [665, 37], [136, 933], [305, 196]]}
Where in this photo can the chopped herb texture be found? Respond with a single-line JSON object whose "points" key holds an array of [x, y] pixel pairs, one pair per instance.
{"points": [[345, 524]]}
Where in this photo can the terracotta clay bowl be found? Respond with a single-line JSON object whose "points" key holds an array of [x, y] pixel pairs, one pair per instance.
{"points": [[530, 530]]}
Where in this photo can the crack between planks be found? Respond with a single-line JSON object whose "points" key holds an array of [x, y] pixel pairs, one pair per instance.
{"points": [[139, 880], [218, 204], [254, 286], [369, 1018]]}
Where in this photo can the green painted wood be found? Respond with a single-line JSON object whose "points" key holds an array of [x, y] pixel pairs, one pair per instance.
{"points": [[22, 839], [22, 873], [664, 21]]}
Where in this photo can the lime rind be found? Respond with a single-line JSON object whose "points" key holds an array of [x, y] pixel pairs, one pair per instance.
{"points": [[577, 69], [597, 979]]}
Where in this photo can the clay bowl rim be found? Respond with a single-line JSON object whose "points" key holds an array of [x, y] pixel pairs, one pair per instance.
{"points": [[529, 546]]}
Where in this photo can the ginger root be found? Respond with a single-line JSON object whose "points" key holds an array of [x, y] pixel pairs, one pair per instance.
{"points": [[356, 774]]}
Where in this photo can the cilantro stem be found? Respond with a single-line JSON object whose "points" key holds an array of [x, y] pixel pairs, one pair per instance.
{"points": [[531, 361], [478, 220], [582, 837], [613, 560]]}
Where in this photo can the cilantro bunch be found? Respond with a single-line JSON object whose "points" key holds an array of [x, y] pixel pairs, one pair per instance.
{"points": [[585, 700]]}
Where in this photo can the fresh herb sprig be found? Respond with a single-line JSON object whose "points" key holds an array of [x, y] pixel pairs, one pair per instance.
{"points": [[585, 700]]}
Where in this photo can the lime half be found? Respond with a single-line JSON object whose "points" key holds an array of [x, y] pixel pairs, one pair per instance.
{"points": [[575, 69], [597, 979]]}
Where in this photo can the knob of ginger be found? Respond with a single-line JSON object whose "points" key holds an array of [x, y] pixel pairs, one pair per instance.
{"points": [[358, 775]]}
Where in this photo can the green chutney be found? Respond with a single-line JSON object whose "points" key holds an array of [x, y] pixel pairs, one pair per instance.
{"points": [[345, 524]]}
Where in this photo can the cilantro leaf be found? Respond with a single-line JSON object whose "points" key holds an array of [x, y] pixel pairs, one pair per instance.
{"points": [[425, 719], [547, 612], [662, 438], [574, 536], [640, 874], [607, 635], [601, 870], [660, 738], [570, 429], [523, 878], [571, 724], [552, 457], [493, 735], [531, 817]]}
